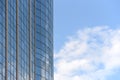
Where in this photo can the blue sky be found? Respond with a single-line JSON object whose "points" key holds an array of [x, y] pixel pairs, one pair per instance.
{"points": [[74, 18], [71, 15]]}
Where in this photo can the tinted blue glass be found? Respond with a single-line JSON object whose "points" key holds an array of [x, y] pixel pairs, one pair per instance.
{"points": [[26, 41], [44, 38], [2, 39]]}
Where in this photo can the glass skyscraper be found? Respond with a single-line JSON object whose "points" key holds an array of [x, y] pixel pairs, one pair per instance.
{"points": [[26, 39]]}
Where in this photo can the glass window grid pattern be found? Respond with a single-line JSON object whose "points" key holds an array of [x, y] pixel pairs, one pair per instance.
{"points": [[41, 40], [23, 40], [44, 44], [2, 40], [12, 40]]}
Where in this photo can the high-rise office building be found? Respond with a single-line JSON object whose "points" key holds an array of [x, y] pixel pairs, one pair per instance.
{"points": [[26, 39]]}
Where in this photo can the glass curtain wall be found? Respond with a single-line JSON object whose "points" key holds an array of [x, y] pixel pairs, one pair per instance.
{"points": [[26, 39]]}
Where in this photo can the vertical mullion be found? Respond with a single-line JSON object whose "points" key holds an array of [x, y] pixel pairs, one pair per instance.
{"points": [[6, 39], [17, 38], [34, 39], [29, 23]]}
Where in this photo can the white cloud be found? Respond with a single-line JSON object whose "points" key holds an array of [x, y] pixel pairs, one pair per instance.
{"points": [[91, 54]]}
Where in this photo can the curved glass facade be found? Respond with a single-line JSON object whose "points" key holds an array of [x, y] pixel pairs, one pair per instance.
{"points": [[2, 39], [44, 42], [26, 39]]}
